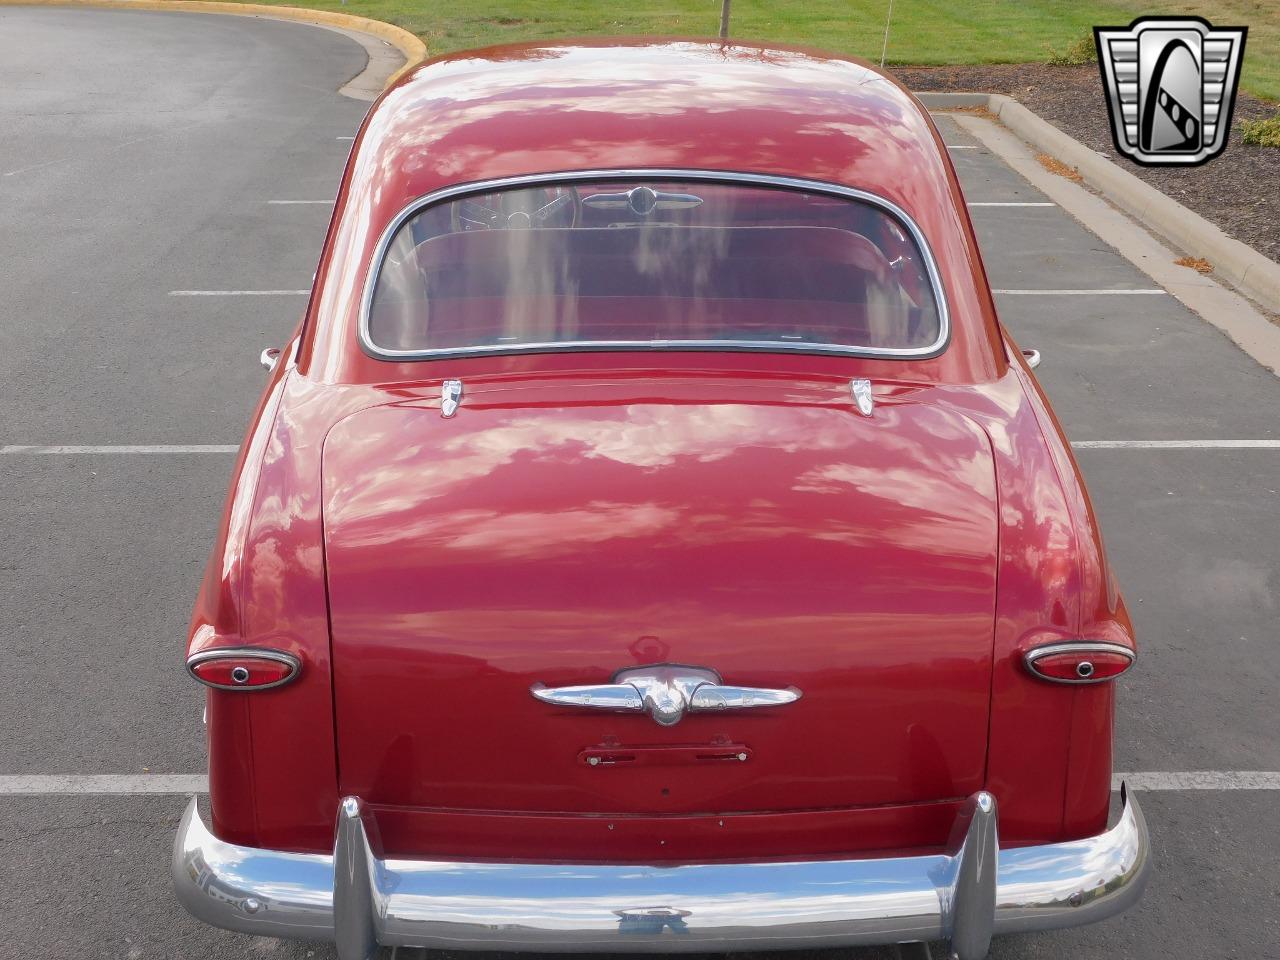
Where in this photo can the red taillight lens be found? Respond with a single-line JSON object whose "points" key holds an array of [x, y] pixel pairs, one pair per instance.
{"points": [[1079, 662], [243, 668]]}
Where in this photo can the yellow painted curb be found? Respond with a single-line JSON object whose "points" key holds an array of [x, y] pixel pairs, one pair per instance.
{"points": [[414, 50]]}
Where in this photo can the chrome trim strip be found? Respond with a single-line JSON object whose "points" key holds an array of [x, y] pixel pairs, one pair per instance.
{"points": [[1075, 646], [668, 174], [965, 895], [247, 653]]}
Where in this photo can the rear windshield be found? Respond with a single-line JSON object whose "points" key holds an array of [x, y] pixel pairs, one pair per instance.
{"points": [[652, 264]]}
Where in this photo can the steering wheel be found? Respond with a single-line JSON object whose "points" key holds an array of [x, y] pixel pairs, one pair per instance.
{"points": [[558, 206]]}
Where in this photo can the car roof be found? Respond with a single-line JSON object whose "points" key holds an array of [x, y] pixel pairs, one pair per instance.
{"points": [[535, 108], [539, 108]]}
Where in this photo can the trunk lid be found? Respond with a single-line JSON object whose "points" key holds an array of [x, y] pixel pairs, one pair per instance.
{"points": [[780, 542]]}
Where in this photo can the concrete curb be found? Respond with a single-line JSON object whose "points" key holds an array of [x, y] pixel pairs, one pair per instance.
{"points": [[1257, 276], [1215, 303], [952, 101], [413, 49]]}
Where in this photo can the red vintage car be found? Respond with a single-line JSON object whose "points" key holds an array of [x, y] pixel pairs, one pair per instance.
{"points": [[652, 542]]}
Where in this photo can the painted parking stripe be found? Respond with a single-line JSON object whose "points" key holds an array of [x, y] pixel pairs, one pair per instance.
{"points": [[1155, 291], [1176, 444], [162, 448], [140, 783], [1012, 203], [962, 146], [345, 138], [1201, 780], [184, 783], [239, 293]]}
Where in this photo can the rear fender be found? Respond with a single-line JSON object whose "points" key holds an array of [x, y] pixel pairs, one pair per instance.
{"points": [[1050, 751], [272, 766], [1100, 614]]}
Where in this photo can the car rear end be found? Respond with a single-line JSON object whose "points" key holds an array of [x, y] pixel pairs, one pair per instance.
{"points": [[658, 594]]}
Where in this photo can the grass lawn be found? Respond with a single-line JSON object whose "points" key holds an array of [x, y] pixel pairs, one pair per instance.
{"points": [[924, 31]]}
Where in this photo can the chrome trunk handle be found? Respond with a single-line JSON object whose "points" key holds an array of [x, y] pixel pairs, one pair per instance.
{"points": [[666, 692]]}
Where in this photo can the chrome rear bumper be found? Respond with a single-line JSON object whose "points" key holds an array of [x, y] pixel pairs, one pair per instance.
{"points": [[965, 896]]}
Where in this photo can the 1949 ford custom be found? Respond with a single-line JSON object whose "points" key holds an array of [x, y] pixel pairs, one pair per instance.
{"points": [[651, 541]]}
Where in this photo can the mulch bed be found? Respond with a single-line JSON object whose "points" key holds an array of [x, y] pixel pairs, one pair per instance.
{"points": [[1239, 191]]}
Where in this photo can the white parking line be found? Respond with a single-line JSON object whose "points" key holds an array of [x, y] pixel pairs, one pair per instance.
{"points": [[345, 138], [1176, 444], [137, 448], [1081, 293], [187, 783], [239, 293], [962, 146], [1012, 203], [327, 203], [139, 783], [1201, 780]]}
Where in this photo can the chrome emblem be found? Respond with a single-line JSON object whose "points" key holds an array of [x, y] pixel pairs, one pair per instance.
{"points": [[1171, 85], [666, 692]]}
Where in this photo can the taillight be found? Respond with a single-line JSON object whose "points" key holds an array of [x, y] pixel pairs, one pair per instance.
{"points": [[243, 668], [1085, 661]]}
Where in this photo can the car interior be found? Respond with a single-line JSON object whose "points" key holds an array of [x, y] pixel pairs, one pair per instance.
{"points": [[652, 264]]}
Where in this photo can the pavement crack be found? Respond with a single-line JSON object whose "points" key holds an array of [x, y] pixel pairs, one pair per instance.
{"points": [[55, 829]]}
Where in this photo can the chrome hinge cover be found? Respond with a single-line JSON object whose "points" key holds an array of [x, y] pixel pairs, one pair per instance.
{"points": [[450, 395], [861, 390]]}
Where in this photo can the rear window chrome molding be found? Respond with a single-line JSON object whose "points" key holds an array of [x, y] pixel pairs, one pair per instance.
{"points": [[665, 174]]}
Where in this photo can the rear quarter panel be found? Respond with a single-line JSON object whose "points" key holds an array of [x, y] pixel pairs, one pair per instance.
{"points": [[1049, 755]]}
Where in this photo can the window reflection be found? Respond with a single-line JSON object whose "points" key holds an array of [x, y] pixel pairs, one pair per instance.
{"points": [[653, 263]]}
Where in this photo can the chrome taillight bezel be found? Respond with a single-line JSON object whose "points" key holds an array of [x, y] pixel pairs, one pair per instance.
{"points": [[1035, 654], [245, 653]]}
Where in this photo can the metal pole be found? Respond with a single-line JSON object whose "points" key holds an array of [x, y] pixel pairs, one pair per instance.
{"points": [[884, 49], [724, 19]]}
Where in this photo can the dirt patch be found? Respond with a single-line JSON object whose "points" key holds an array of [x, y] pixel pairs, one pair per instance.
{"points": [[1198, 264], [973, 111], [1239, 191], [1057, 167]]}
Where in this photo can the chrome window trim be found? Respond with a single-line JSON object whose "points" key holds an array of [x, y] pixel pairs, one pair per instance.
{"points": [[664, 174], [246, 653], [1032, 656]]}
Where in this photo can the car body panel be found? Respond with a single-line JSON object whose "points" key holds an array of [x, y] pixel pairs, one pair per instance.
{"points": [[784, 540]]}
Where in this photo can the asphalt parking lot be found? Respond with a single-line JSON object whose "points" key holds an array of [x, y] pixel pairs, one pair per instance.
{"points": [[151, 167]]}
